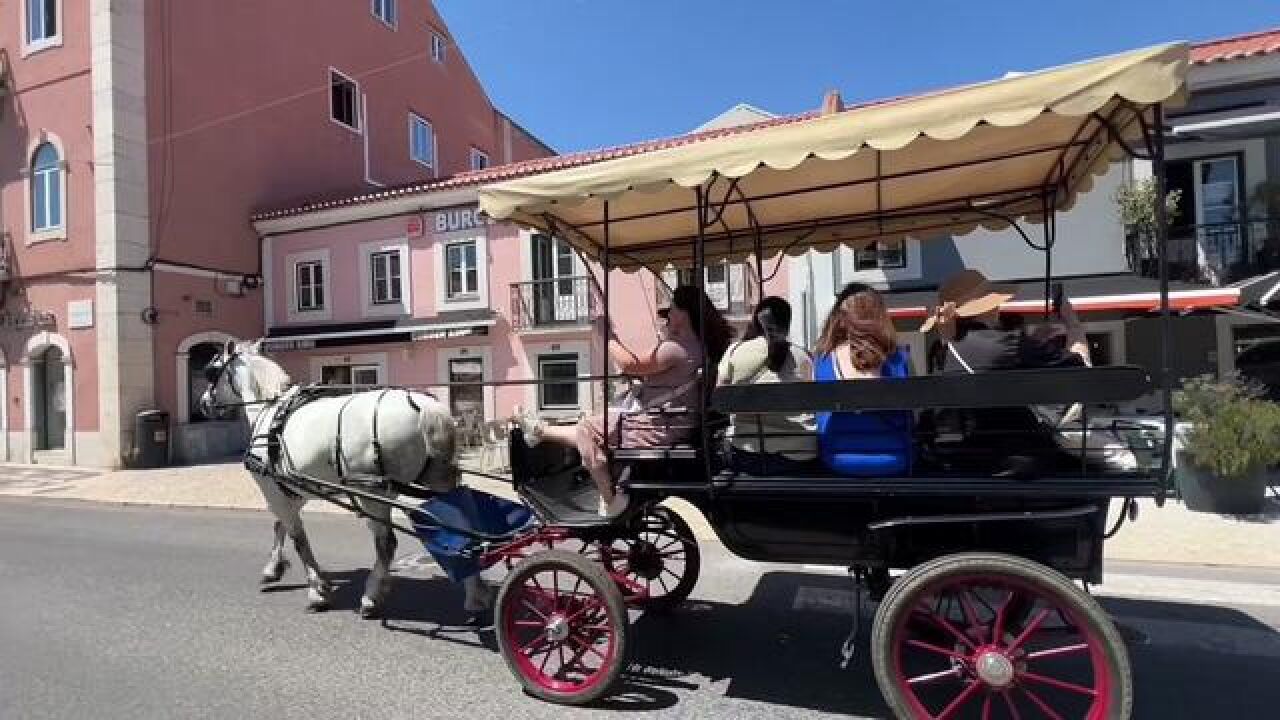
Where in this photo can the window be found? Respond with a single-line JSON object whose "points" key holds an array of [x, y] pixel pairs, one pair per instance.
{"points": [[42, 22], [460, 266], [385, 268], [385, 10], [479, 160], [716, 283], [344, 100], [466, 395], [560, 395], [438, 47], [422, 141], [356, 375], [883, 254], [310, 286], [46, 189]]}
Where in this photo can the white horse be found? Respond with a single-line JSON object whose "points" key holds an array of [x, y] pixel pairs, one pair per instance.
{"points": [[332, 439]]}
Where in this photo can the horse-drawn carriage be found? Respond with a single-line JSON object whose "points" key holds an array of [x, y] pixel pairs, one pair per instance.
{"points": [[984, 619]]}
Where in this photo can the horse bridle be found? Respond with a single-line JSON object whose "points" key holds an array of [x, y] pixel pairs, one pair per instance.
{"points": [[214, 377]]}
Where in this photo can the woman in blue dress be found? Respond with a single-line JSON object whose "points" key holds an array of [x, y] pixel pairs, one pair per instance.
{"points": [[859, 342]]}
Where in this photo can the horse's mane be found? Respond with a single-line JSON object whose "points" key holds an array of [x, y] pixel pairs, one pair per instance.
{"points": [[270, 381]]}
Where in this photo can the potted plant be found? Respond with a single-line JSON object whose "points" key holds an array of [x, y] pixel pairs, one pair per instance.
{"points": [[1232, 440], [1137, 205]]}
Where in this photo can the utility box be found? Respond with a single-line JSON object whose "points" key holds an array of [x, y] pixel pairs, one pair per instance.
{"points": [[151, 439]]}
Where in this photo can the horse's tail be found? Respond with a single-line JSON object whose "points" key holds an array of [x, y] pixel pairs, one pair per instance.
{"points": [[440, 434]]}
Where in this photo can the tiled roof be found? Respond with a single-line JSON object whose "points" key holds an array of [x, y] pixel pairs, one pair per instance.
{"points": [[1237, 47], [539, 165], [1202, 53], [526, 167]]}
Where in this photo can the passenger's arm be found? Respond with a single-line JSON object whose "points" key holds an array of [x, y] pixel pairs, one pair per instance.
{"points": [[1077, 341], [660, 358]]}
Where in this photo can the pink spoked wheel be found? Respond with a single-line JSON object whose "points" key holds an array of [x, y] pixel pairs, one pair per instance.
{"points": [[562, 627], [989, 637], [658, 560]]}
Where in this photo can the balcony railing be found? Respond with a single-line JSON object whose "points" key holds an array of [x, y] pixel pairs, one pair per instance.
{"points": [[1217, 253], [733, 297], [559, 303]]}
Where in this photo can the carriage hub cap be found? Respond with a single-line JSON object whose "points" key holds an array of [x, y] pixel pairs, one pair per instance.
{"points": [[557, 629], [994, 669]]}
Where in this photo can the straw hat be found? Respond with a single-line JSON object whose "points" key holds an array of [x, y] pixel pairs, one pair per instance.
{"points": [[972, 294]]}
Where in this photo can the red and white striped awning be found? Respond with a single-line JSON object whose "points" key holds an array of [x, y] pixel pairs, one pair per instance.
{"points": [[1180, 301]]}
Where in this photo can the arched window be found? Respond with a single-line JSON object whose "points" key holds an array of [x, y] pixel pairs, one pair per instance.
{"points": [[46, 189]]}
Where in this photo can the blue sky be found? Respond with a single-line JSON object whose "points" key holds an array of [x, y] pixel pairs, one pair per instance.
{"points": [[590, 73]]}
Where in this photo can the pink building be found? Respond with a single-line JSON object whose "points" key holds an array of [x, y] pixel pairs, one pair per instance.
{"points": [[137, 138], [414, 287]]}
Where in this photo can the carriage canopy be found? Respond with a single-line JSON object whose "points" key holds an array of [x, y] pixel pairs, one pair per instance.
{"points": [[936, 164]]}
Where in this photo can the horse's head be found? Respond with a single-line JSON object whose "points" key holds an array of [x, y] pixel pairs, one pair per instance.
{"points": [[232, 380]]}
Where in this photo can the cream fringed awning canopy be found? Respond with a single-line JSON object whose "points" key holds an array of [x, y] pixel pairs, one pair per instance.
{"points": [[930, 165]]}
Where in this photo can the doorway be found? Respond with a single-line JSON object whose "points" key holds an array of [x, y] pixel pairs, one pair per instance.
{"points": [[198, 358], [49, 400]]}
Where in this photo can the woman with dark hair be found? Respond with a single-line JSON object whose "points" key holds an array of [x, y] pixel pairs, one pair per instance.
{"points": [[769, 443], [859, 342], [663, 408]]}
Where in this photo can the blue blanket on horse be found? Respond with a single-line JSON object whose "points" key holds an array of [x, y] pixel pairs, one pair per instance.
{"points": [[438, 521]]}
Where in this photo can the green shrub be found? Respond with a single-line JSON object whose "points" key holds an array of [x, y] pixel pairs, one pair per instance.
{"points": [[1234, 432]]}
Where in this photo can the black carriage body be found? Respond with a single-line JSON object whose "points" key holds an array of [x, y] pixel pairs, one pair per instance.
{"points": [[1056, 517]]}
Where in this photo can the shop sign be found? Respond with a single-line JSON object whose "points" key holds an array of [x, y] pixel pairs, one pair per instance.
{"points": [[413, 226], [287, 345], [459, 219], [80, 314], [27, 319]]}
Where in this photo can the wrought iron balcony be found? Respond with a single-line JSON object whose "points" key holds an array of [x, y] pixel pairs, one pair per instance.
{"points": [[734, 294], [560, 303], [1216, 253]]}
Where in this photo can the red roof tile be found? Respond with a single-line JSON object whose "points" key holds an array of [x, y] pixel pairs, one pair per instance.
{"points": [[1202, 53], [1237, 47]]}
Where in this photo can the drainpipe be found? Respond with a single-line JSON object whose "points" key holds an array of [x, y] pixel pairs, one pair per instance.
{"points": [[364, 126]]}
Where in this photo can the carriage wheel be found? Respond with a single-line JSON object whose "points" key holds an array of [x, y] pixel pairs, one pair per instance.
{"points": [[993, 636], [562, 627], [661, 555]]}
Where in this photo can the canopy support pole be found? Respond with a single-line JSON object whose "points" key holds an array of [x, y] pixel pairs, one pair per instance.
{"points": [[700, 270], [1166, 320], [608, 381]]}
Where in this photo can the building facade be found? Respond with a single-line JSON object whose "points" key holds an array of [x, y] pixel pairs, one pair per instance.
{"points": [[1223, 158], [420, 290], [139, 136]]}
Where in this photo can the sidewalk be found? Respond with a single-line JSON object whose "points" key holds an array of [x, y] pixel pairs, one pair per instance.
{"points": [[1170, 534]]}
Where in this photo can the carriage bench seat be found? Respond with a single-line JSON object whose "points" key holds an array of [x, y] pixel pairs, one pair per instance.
{"points": [[673, 452]]}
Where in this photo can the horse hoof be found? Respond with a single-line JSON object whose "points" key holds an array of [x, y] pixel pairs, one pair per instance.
{"points": [[273, 576], [369, 611], [317, 606]]}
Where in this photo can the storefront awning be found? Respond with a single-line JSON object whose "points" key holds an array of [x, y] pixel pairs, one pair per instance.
{"points": [[1244, 122], [1090, 295], [943, 163], [1261, 291], [281, 339]]}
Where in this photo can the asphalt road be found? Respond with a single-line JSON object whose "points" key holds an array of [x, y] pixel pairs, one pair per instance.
{"points": [[117, 612]]}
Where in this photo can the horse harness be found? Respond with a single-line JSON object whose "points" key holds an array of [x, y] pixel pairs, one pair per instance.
{"points": [[288, 404]]}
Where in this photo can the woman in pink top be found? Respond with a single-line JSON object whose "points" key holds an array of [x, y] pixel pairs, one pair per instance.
{"points": [[668, 377]]}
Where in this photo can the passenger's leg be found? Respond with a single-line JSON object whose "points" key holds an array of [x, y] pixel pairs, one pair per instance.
{"points": [[591, 446]]}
